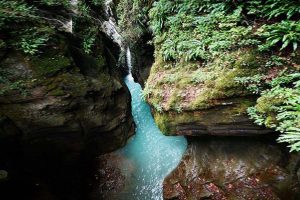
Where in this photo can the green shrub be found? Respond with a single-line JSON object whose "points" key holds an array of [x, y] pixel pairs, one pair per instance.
{"points": [[181, 33], [275, 8], [254, 83], [279, 108], [285, 32]]}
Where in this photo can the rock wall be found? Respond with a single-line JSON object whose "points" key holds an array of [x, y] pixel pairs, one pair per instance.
{"points": [[191, 99], [61, 109], [229, 119], [231, 168], [143, 58]]}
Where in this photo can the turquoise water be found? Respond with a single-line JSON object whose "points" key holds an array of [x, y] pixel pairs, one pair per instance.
{"points": [[152, 154]]}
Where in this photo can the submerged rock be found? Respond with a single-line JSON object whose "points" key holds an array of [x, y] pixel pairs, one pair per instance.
{"points": [[228, 168], [112, 177]]}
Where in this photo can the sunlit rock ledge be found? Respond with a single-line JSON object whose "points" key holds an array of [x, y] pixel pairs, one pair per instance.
{"points": [[227, 119], [198, 98]]}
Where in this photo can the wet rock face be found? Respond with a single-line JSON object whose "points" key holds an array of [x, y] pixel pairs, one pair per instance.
{"points": [[68, 107], [84, 103], [112, 176], [143, 58], [233, 169]]}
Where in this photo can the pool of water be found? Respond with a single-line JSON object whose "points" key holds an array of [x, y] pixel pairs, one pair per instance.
{"points": [[152, 156]]}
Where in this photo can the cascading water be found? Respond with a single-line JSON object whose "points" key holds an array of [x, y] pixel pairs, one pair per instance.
{"points": [[152, 154]]}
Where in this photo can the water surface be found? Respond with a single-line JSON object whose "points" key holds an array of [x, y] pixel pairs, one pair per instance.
{"points": [[151, 154]]}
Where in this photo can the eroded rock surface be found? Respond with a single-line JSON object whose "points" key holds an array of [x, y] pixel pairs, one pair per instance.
{"points": [[113, 177], [227, 119], [143, 59], [231, 169], [62, 109]]}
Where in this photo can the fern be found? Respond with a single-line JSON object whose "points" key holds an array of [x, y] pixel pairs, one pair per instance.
{"points": [[283, 102], [275, 8], [286, 33]]}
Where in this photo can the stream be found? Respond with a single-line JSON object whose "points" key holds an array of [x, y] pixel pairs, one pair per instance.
{"points": [[153, 154], [149, 156], [154, 167]]}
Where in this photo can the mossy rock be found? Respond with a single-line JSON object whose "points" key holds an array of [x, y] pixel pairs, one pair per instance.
{"points": [[230, 119], [49, 66], [194, 85], [67, 83]]}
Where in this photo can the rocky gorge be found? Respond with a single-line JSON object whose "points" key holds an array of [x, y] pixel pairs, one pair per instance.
{"points": [[60, 109], [134, 99]]}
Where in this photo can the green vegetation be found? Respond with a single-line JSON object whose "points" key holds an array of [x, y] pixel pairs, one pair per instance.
{"points": [[48, 66], [194, 37], [30, 25], [201, 30], [37, 30], [279, 107], [286, 33], [205, 51], [133, 18], [211, 50]]}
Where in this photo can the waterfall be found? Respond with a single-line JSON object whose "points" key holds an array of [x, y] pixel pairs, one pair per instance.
{"points": [[69, 26], [152, 156], [74, 4], [129, 64]]}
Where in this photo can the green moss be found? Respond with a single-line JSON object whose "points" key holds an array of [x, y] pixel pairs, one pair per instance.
{"points": [[48, 66], [271, 120], [224, 85], [168, 122], [213, 81], [249, 59], [265, 104], [174, 100], [57, 92], [66, 83], [162, 122]]}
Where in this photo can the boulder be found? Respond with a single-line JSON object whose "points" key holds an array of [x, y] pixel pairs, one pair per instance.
{"points": [[234, 168]]}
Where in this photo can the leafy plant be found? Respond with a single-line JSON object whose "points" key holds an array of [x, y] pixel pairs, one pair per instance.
{"points": [[158, 107], [279, 108], [65, 3], [191, 36], [178, 108], [254, 83], [11, 10], [8, 85], [275, 8], [275, 61], [32, 45], [285, 32], [146, 92]]}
